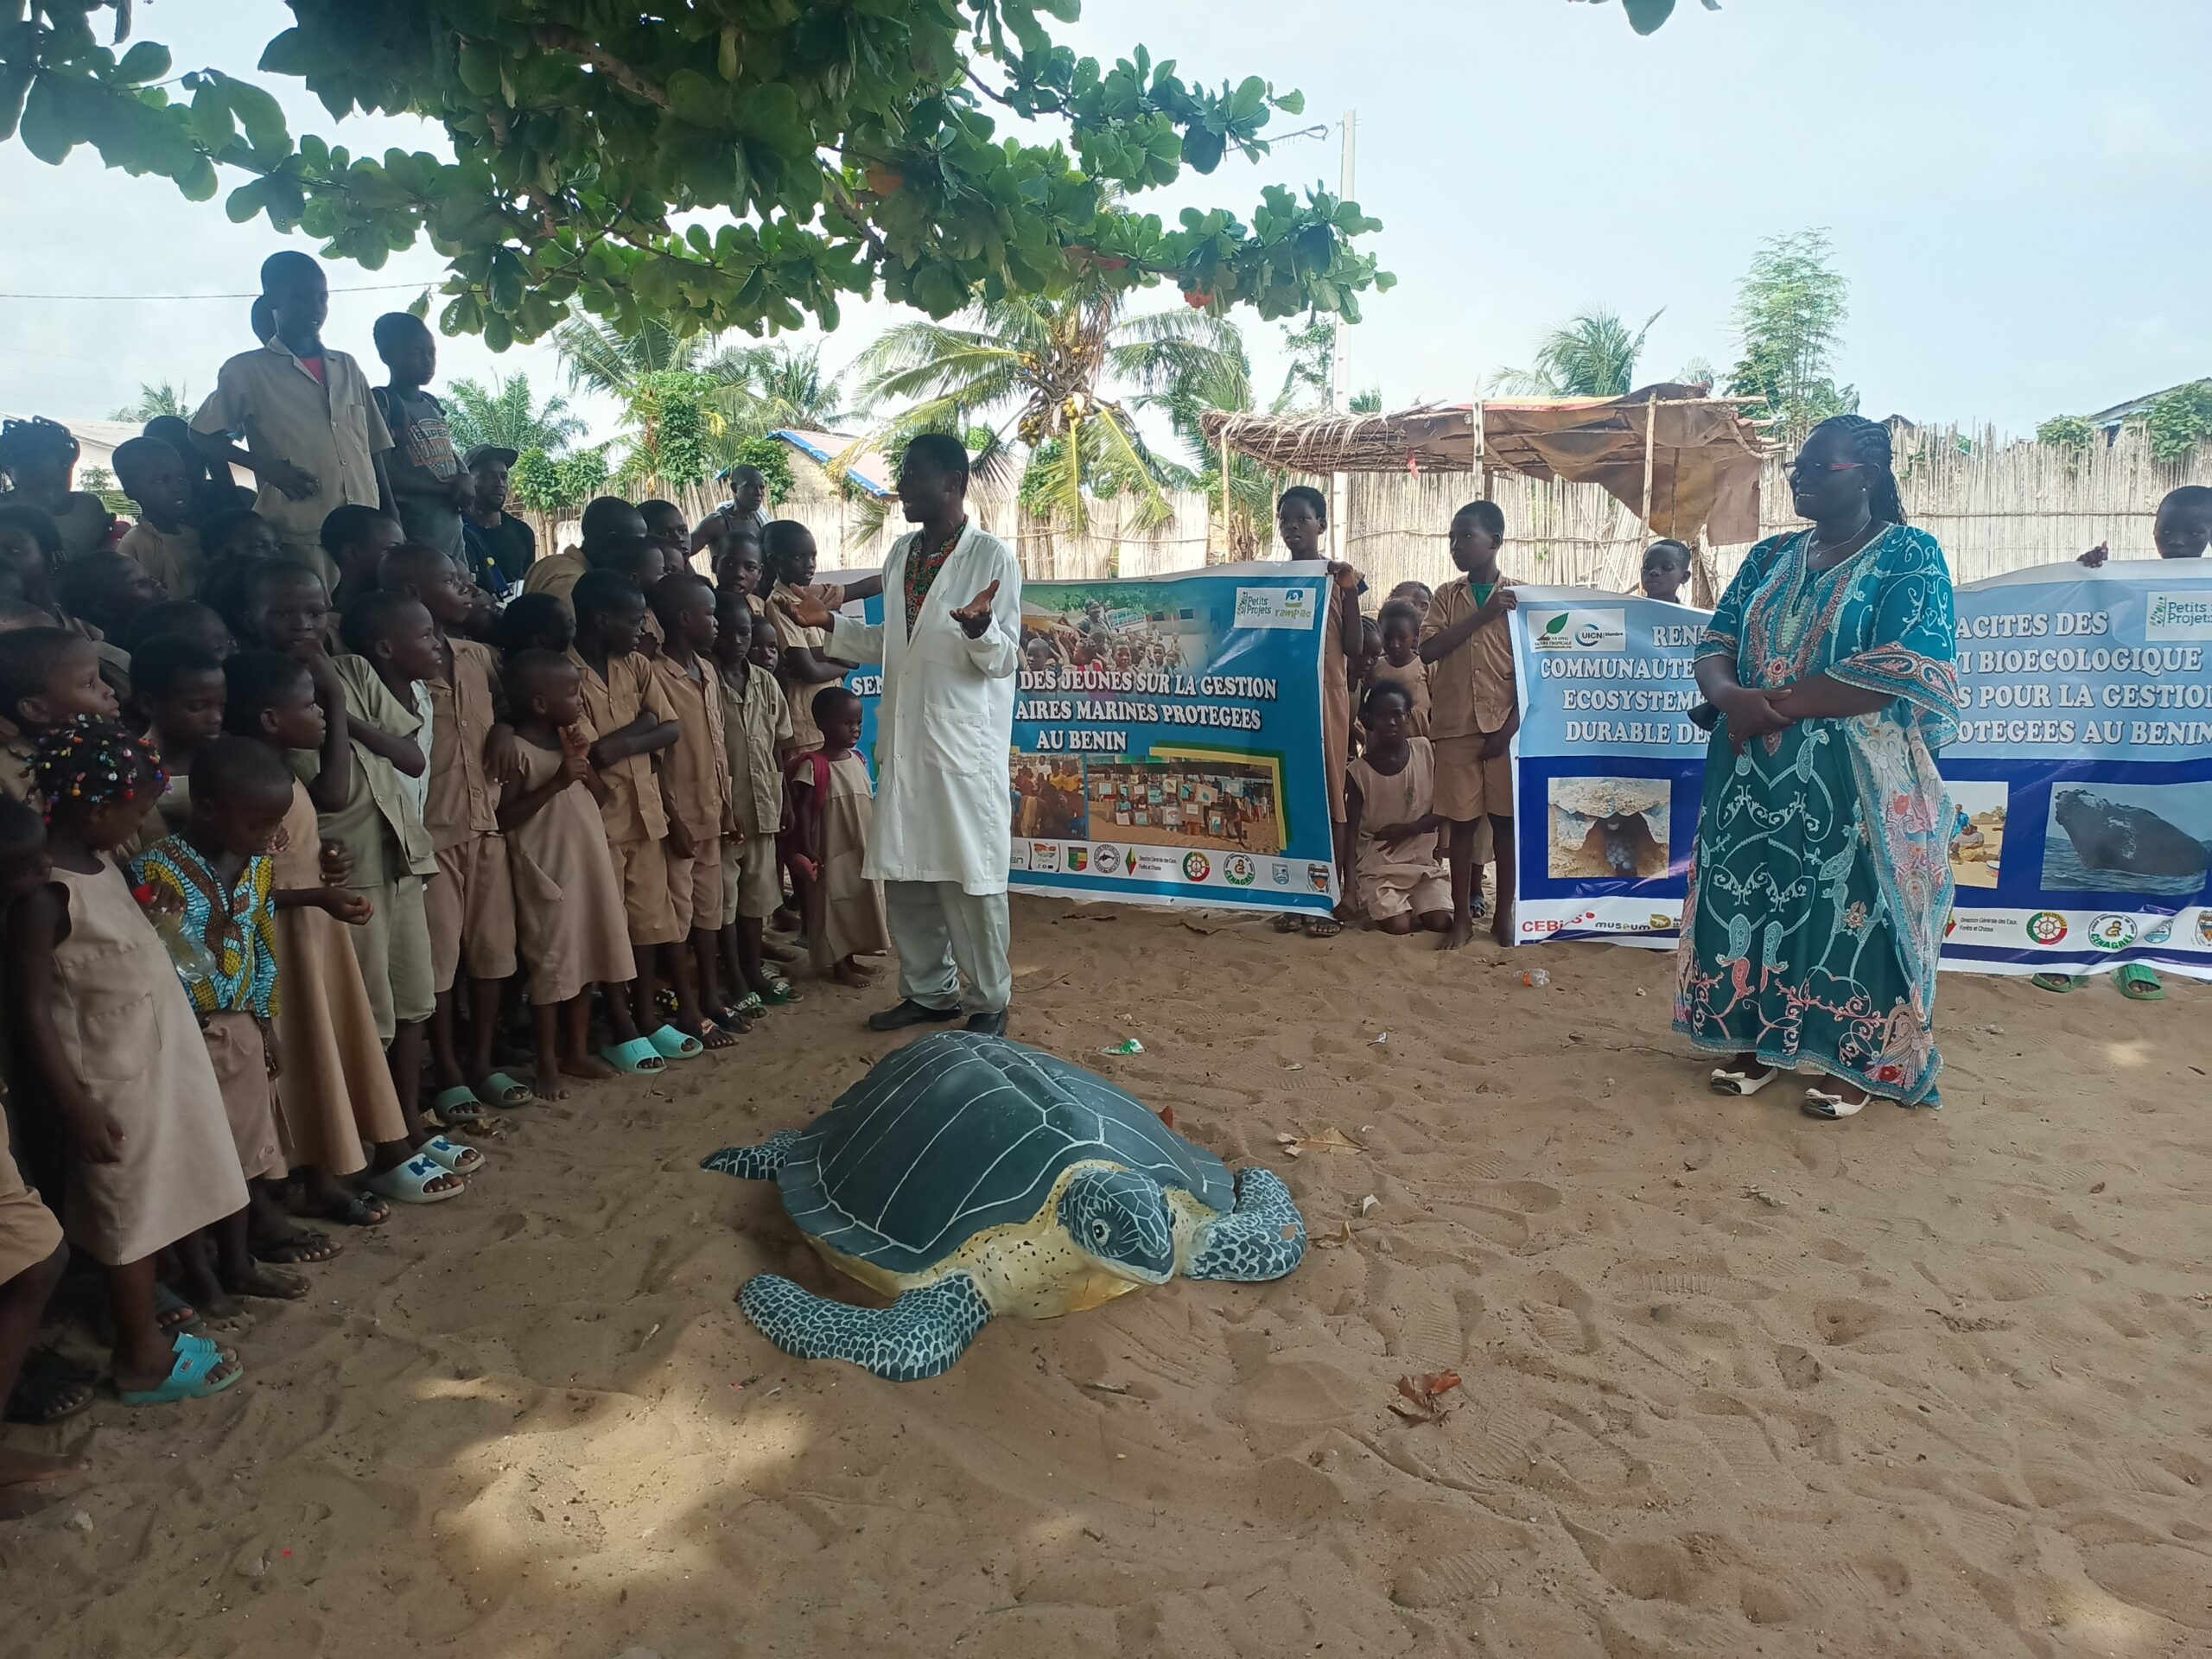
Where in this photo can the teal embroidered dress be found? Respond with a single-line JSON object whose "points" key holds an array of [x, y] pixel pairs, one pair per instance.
{"points": [[1821, 882]]}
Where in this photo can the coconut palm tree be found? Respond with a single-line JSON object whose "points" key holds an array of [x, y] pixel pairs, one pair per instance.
{"points": [[1594, 356], [164, 399], [603, 358], [507, 413], [1058, 372], [769, 388]]}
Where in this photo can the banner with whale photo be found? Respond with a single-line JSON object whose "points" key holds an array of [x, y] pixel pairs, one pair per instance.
{"points": [[1167, 740], [2081, 780]]}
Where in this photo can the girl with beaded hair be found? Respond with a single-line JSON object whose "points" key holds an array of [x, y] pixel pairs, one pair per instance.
{"points": [[1821, 880], [110, 1037]]}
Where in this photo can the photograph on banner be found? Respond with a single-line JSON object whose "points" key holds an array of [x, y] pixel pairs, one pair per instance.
{"points": [[1607, 765], [1167, 740], [2082, 772]]}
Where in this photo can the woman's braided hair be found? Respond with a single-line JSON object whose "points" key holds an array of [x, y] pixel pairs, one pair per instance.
{"points": [[95, 762], [1869, 444], [25, 442]]}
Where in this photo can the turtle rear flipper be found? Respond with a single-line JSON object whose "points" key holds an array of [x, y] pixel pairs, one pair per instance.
{"points": [[919, 1335], [760, 1163], [1264, 1237]]}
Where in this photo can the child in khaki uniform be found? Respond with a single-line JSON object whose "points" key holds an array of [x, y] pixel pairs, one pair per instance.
{"points": [[571, 930], [628, 721], [471, 901], [695, 770], [756, 721], [834, 805], [1473, 714]]}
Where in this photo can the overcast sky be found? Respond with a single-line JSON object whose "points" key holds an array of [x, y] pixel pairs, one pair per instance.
{"points": [[2015, 192]]}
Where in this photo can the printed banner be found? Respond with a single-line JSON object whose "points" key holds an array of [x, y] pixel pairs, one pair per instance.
{"points": [[1607, 766], [1167, 740], [2081, 780]]}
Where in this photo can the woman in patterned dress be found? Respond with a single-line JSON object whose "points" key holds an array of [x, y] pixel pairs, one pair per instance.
{"points": [[1819, 885]]}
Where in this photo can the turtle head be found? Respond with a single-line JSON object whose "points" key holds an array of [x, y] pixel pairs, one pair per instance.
{"points": [[1121, 1220]]}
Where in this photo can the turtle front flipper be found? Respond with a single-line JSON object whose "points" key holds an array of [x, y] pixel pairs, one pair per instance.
{"points": [[1264, 1237], [919, 1335], [760, 1163]]}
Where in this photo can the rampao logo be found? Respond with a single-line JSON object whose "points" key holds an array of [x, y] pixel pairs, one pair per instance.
{"points": [[1196, 867], [1110, 860], [2046, 927]]}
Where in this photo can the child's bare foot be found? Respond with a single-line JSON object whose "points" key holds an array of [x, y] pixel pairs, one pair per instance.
{"points": [[851, 974], [1502, 929], [586, 1068], [254, 1279], [1461, 931], [295, 1247], [37, 1468]]}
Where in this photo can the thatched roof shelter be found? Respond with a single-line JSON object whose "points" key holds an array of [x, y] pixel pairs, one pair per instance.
{"points": [[1682, 462]]}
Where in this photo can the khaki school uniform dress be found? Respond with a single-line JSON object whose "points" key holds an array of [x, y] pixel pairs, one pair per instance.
{"points": [[556, 573], [471, 900], [756, 722], [1336, 700], [129, 1035], [333, 1091], [1414, 677], [636, 826], [806, 736], [174, 559], [329, 428], [28, 1232], [382, 828], [1470, 696], [1395, 877], [697, 769], [568, 916], [852, 905]]}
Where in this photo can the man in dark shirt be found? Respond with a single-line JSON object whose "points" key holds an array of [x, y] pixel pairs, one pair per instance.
{"points": [[501, 548]]}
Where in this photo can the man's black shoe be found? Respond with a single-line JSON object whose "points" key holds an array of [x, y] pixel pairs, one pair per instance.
{"points": [[991, 1024], [910, 1013]]}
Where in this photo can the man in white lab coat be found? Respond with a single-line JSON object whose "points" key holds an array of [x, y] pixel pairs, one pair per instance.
{"points": [[950, 646]]}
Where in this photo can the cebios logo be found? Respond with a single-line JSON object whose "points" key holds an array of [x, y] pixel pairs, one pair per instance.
{"points": [[2046, 927], [1196, 867], [2112, 932]]}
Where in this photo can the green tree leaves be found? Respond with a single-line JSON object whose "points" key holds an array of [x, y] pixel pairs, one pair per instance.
{"points": [[839, 147], [1790, 309]]}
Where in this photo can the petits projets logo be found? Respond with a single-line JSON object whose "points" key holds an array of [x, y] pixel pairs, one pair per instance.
{"points": [[1276, 607], [1578, 630]]}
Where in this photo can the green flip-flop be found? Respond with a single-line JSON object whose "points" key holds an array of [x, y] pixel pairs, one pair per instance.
{"points": [[672, 1045], [2059, 984], [191, 1377], [458, 1107], [2140, 984], [781, 993], [507, 1091], [637, 1057]]}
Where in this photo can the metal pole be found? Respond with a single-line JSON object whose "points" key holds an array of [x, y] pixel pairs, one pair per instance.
{"points": [[1339, 376]]}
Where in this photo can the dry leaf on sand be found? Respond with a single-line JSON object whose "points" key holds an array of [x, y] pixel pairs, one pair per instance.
{"points": [[1423, 1395], [1331, 1139]]}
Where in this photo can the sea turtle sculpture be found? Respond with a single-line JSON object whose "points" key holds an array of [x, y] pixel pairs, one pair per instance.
{"points": [[972, 1177]]}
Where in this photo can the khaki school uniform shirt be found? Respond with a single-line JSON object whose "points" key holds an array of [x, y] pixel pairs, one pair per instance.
{"points": [[632, 810], [175, 561], [380, 824], [556, 573], [697, 765], [462, 805], [756, 720], [1469, 690], [329, 427]]}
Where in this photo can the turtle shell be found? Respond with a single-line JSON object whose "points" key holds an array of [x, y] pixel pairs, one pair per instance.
{"points": [[959, 1133]]}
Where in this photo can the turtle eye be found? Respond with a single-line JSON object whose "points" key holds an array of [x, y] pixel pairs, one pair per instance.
{"points": [[1101, 1231]]}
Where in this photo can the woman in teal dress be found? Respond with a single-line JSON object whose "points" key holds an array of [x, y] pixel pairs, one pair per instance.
{"points": [[1822, 882]]}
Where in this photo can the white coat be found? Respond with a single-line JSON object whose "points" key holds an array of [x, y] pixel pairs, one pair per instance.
{"points": [[944, 728]]}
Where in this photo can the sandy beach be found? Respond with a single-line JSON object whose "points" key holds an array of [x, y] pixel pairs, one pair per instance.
{"points": [[1736, 1383]]}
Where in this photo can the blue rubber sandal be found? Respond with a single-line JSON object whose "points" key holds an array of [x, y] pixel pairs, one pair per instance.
{"points": [[190, 1377], [672, 1045], [457, 1159], [637, 1057], [506, 1090]]}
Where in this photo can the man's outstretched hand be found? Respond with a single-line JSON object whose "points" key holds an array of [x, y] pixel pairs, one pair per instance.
{"points": [[976, 615], [806, 609]]}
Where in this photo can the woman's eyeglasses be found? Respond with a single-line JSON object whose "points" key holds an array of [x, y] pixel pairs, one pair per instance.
{"points": [[1801, 469]]}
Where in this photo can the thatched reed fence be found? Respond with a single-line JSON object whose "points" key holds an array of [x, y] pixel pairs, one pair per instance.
{"points": [[1995, 507]]}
